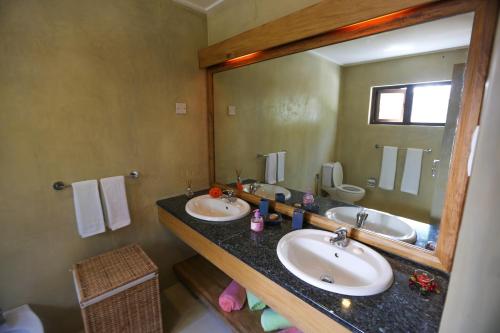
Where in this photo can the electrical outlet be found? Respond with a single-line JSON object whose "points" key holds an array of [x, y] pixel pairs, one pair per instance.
{"points": [[180, 108], [231, 110]]}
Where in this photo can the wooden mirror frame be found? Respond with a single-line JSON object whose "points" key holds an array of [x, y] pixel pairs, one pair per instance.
{"points": [[334, 21]]}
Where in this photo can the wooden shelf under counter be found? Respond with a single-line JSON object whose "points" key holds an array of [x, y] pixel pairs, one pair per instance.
{"points": [[207, 282]]}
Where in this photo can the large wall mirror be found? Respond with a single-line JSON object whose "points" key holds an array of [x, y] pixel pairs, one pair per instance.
{"points": [[368, 131], [365, 126]]}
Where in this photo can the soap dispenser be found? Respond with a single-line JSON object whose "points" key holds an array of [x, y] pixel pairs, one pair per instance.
{"points": [[257, 222]]}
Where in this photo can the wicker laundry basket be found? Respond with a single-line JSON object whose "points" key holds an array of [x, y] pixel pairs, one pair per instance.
{"points": [[118, 292]]}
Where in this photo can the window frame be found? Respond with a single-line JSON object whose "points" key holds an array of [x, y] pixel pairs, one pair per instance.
{"points": [[408, 101]]}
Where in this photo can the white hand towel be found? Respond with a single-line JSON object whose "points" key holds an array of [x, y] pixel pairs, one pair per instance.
{"points": [[388, 169], [411, 173], [271, 165], [115, 202], [88, 209], [281, 166]]}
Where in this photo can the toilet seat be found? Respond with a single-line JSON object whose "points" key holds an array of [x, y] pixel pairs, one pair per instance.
{"points": [[350, 188]]}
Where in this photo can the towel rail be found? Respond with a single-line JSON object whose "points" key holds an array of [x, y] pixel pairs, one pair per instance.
{"points": [[266, 155], [427, 150], [59, 185]]}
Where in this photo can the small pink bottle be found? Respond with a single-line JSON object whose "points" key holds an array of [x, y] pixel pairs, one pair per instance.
{"points": [[257, 222]]}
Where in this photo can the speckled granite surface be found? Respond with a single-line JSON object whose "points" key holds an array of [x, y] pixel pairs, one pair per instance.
{"points": [[398, 309], [425, 232]]}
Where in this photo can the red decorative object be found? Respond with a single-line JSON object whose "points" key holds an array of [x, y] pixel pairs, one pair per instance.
{"points": [[239, 186], [424, 282], [215, 192]]}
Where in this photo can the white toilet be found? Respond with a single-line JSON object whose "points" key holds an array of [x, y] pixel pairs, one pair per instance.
{"points": [[21, 320], [332, 183]]}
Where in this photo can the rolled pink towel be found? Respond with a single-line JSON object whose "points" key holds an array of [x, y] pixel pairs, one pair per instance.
{"points": [[233, 297], [290, 330]]}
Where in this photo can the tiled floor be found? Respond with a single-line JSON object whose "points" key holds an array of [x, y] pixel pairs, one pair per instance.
{"points": [[182, 313]]}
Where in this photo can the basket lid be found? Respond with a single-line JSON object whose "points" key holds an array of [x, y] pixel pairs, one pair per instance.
{"points": [[100, 274]]}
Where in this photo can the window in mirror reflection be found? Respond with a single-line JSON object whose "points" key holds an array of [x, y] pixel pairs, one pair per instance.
{"points": [[430, 103], [391, 105], [411, 104]]}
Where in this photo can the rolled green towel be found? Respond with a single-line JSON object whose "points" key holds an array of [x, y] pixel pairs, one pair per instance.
{"points": [[254, 303], [271, 320]]}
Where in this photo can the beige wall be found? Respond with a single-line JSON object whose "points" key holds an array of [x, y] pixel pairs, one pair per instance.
{"points": [[288, 103], [473, 299], [88, 90], [235, 16], [356, 138]]}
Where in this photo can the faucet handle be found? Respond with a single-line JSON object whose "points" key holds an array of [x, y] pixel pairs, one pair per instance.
{"points": [[228, 192]]}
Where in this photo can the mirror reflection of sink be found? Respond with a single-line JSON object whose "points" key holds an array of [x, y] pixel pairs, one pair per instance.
{"points": [[380, 222], [268, 191], [354, 270], [206, 208]]}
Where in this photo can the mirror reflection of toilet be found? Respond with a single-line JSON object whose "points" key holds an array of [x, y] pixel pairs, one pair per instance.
{"points": [[332, 183]]}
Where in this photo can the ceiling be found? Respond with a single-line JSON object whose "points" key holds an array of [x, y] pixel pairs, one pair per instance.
{"points": [[202, 6], [444, 34]]}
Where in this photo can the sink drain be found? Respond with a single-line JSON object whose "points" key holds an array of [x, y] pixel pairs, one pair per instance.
{"points": [[326, 278]]}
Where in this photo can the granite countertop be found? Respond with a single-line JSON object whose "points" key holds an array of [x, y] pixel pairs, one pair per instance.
{"points": [[398, 309], [425, 232]]}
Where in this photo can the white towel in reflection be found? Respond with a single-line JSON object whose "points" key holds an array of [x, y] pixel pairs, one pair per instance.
{"points": [[281, 166], [388, 169], [88, 209], [271, 166], [115, 202], [411, 173]]}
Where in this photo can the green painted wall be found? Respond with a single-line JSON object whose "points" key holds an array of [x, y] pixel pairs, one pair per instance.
{"points": [[289, 103], [88, 90], [356, 137]]}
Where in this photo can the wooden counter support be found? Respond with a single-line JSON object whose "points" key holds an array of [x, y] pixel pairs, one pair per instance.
{"points": [[207, 282], [296, 310]]}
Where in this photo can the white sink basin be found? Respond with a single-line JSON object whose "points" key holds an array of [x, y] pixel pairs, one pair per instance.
{"points": [[268, 191], [205, 207], [354, 270], [382, 223]]}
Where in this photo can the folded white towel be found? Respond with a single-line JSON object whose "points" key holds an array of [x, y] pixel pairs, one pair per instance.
{"points": [[88, 209], [411, 173], [115, 202], [281, 166], [388, 169], [271, 166]]}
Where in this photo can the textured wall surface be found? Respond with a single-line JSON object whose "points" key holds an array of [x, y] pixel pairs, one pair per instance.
{"points": [[474, 292], [356, 137], [288, 103], [88, 90], [235, 16]]}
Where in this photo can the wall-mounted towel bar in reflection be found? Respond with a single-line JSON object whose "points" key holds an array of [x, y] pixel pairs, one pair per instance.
{"points": [[59, 185], [266, 155], [428, 150]]}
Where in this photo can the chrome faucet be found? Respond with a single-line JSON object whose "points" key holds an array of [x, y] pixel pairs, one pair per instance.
{"points": [[253, 187], [228, 195], [339, 237], [361, 218]]}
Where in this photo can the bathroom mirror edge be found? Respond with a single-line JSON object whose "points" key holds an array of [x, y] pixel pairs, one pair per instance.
{"points": [[475, 78]]}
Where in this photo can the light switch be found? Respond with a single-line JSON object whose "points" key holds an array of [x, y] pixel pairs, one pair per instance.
{"points": [[231, 110], [180, 108]]}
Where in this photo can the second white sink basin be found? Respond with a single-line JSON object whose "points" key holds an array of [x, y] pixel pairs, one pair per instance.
{"points": [[205, 207], [268, 191], [382, 223], [354, 270]]}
